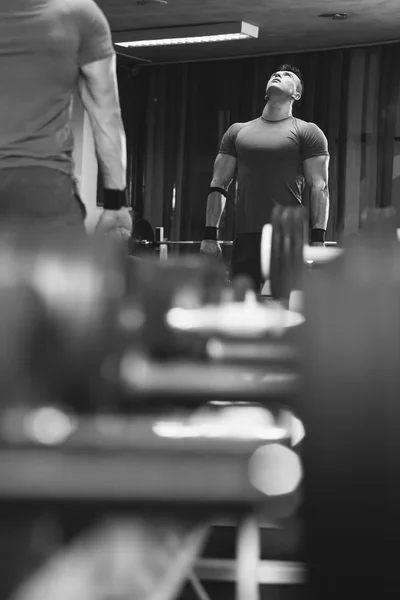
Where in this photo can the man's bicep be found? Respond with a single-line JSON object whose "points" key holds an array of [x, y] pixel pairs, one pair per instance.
{"points": [[316, 170], [224, 170], [98, 86]]}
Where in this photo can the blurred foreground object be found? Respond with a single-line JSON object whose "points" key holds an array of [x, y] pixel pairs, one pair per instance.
{"points": [[351, 413]]}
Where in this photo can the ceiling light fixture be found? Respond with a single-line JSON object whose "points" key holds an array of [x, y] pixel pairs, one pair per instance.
{"points": [[144, 2], [335, 16], [190, 34]]}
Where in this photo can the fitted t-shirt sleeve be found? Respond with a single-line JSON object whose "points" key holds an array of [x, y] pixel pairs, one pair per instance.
{"points": [[228, 145], [94, 32], [313, 142]]}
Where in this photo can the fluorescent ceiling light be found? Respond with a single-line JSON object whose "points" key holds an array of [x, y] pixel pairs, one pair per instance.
{"points": [[191, 34], [201, 39]]}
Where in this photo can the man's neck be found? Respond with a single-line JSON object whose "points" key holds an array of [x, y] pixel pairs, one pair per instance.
{"points": [[276, 111]]}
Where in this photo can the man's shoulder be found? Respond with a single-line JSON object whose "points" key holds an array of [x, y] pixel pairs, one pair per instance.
{"points": [[248, 123], [305, 126], [313, 138], [79, 6], [236, 127], [93, 29], [302, 124]]}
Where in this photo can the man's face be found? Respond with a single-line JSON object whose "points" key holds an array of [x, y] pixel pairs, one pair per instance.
{"points": [[283, 83]]}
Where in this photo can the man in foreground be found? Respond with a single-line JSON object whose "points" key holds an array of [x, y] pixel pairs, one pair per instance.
{"points": [[48, 49]]}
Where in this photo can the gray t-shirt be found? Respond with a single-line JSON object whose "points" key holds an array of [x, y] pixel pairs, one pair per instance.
{"points": [[43, 44], [270, 157]]}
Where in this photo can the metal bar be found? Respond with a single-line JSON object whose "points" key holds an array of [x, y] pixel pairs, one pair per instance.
{"points": [[198, 587], [145, 475], [248, 553], [193, 243], [270, 572], [177, 243]]}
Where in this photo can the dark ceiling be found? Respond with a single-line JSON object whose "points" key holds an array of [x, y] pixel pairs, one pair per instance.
{"points": [[286, 26]]}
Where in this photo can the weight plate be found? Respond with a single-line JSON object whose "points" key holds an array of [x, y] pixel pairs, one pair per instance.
{"points": [[141, 230], [266, 241], [286, 251]]}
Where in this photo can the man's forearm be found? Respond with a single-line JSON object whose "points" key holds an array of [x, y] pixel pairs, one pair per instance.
{"points": [[215, 208], [319, 205], [110, 142], [109, 135]]}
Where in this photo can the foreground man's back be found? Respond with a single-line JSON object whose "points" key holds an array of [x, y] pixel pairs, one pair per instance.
{"points": [[43, 44]]}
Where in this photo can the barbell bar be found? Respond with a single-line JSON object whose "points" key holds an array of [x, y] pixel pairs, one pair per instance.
{"points": [[157, 244]]}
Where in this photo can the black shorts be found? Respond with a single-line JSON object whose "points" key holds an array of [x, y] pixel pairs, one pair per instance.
{"points": [[41, 198], [246, 258]]}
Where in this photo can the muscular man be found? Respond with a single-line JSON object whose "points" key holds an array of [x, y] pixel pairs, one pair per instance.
{"points": [[273, 156], [48, 49]]}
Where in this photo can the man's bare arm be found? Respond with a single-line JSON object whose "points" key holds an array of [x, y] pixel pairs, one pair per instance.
{"points": [[224, 170], [99, 93], [316, 173]]}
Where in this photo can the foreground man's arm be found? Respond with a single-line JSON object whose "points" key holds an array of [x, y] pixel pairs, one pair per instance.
{"points": [[99, 93]]}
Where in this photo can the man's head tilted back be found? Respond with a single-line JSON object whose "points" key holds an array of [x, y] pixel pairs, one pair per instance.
{"points": [[285, 84]]}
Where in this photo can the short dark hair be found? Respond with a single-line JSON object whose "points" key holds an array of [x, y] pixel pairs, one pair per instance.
{"points": [[297, 72]]}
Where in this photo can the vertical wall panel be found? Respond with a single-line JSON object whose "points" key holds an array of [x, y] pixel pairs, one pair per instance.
{"points": [[368, 185], [353, 149]]}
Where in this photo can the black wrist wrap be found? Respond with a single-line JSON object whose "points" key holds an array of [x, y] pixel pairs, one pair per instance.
{"points": [[115, 199], [210, 233], [219, 190], [318, 235]]}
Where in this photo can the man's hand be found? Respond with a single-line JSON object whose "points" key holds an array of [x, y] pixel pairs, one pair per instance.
{"points": [[211, 248], [117, 223]]}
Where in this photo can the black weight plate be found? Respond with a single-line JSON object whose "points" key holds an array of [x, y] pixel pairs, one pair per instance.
{"points": [[141, 230], [287, 251]]}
